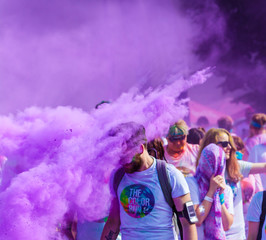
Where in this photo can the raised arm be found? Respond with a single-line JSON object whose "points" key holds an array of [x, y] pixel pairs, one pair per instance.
{"points": [[258, 168], [112, 226], [189, 230], [207, 201]]}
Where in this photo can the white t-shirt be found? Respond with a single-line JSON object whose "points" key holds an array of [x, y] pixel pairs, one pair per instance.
{"points": [[254, 212], [185, 161], [144, 213], [253, 141], [258, 155], [195, 197], [237, 230]]}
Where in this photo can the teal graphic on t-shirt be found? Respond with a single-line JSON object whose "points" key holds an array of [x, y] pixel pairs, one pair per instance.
{"points": [[233, 187], [137, 200]]}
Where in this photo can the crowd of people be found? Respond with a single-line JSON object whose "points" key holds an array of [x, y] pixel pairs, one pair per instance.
{"points": [[223, 175], [193, 183]]}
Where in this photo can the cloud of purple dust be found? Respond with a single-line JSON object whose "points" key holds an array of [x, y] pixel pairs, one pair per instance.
{"points": [[76, 53], [80, 52], [60, 159]]}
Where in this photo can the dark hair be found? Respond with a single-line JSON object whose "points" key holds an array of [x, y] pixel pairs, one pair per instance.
{"points": [[225, 122], [202, 129], [240, 146], [194, 135], [260, 119], [257, 123], [203, 121], [156, 146], [134, 133]]}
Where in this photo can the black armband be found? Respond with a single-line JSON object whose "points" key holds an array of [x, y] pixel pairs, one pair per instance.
{"points": [[188, 213]]}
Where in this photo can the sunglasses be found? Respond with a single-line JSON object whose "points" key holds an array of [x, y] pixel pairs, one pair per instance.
{"points": [[175, 139], [224, 144]]}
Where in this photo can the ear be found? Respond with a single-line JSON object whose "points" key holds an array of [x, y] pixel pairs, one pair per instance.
{"points": [[142, 148]]}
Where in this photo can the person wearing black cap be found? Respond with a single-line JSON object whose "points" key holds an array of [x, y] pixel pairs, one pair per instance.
{"points": [[178, 152]]}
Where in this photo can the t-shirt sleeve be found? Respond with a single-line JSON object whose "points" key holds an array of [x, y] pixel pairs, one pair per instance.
{"points": [[177, 181], [245, 168], [254, 209], [194, 190]]}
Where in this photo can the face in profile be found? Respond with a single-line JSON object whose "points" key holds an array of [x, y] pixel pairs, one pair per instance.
{"points": [[223, 142], [134, 165]]}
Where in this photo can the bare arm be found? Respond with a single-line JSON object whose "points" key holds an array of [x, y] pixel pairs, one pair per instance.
{"points": [[253, 228], [189, 230], [112, 226], [214, 184], [227, 218], [258, 168]]}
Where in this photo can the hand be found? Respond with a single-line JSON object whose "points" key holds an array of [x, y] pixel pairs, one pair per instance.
{"points": [[215, 183], [222, 184]]}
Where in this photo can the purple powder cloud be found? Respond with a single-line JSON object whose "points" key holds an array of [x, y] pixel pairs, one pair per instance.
{"points": [[79, 53], [60, 159]]}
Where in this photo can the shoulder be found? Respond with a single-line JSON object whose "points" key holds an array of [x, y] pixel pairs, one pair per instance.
{"points": [[258, 197], [258, 149], [254, 209], [193, 147], [245, 167], [173, 171], [244, 164], [177, 181]]}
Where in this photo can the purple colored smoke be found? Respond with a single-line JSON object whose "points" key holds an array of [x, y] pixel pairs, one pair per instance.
{"points": [[58, 60], [79, 53], [60, 159]]}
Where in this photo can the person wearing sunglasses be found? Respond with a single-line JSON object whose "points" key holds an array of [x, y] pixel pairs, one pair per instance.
{"points": [[178, 152], [235, 171], [212, 198]]}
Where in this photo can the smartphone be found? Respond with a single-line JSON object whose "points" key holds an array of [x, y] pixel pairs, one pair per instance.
{"points": [[192, 217]]}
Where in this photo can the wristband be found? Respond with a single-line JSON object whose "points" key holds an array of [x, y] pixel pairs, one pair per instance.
{"points": [[208, 199], [221, 198]]}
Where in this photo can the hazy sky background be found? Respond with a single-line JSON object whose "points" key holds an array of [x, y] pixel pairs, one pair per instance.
{"points": [[80, 52]]}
